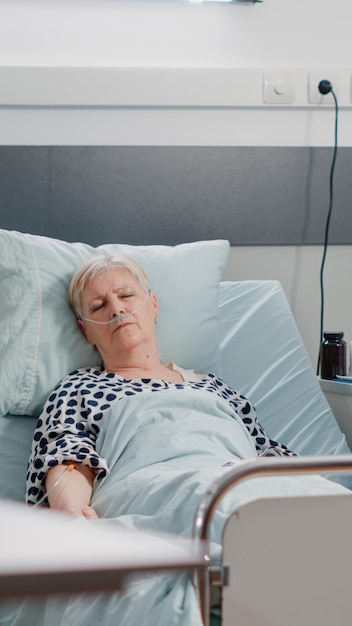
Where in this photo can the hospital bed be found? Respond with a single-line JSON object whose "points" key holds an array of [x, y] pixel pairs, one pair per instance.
{"points": [[245, 331]]}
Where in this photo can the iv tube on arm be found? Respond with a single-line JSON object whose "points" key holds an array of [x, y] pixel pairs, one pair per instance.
{"points": [[69, 468], [118, 318], [75, 495]]}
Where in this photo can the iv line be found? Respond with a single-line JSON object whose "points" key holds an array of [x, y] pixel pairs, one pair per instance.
{"points": [[118, 318], [69, 468]]}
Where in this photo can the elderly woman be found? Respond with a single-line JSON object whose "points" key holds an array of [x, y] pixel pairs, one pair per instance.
{"points": [[117, 312], [137, 442]]}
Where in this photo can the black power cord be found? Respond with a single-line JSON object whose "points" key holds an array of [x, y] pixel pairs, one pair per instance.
{"points": [[326, 87]]}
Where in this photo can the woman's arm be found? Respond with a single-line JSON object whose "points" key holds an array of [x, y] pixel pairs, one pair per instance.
{"points": [[265, 445], [66, 432], [73, 492]]}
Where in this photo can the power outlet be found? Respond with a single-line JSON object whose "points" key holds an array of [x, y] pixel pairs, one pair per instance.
{"points": [[314, 95]]}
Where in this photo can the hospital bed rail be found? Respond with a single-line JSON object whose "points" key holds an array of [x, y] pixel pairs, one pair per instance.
{"points": [[214, 575]]}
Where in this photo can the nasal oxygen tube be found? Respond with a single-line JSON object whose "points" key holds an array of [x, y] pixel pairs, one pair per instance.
{"points": [[69, 468], [117, 318]]}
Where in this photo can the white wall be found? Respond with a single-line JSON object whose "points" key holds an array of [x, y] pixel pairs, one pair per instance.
{"points": [[284, 35], [105, 32]]}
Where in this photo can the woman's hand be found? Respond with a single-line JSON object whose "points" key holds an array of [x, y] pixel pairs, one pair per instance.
{"points": [[80, 511]]}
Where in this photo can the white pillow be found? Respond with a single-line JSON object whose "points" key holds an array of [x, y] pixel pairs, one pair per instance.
{"points": [[39, 340]]}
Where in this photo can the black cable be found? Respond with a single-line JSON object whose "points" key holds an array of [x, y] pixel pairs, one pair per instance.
{"points": [[326, 87]]}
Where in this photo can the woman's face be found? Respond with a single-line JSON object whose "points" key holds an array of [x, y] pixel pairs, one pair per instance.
{"points": [[115, 292]]}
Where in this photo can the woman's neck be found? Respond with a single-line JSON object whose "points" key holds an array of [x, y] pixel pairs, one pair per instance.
{"points": [[156, 370]]}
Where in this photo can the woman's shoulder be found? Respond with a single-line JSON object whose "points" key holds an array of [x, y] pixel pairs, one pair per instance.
{"points": [[81, 374], [83, 378]]}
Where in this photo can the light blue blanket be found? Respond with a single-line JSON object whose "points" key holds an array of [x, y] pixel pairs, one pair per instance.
{"points": [[163, 450]]}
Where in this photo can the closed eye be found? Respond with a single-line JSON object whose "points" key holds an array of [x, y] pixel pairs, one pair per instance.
{"points": [[96, 307]]}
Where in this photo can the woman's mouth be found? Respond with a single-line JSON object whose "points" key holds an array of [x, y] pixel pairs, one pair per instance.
{"points": [[122, 325]]}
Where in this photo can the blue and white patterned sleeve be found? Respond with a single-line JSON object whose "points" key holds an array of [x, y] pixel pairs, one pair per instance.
{"points": [[63, 433], [265, 446]]}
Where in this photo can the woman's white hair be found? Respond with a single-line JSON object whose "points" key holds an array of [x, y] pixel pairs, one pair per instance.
{"points": [[94, 266]]}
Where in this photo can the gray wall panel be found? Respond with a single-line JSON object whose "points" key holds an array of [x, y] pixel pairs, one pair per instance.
{"points": [[168, 195], [25, 201]]}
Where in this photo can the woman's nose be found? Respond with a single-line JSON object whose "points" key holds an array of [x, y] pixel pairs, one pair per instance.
{"points": [[117, 307]]}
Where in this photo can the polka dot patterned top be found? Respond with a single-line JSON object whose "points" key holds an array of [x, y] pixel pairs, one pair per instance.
{"points": [[70, 422]]}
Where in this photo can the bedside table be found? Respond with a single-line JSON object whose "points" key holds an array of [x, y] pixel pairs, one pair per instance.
{"points": [[339, 397]]}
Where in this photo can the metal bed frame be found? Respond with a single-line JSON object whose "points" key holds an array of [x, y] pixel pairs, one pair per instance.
{"points": [[217, 575]]}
